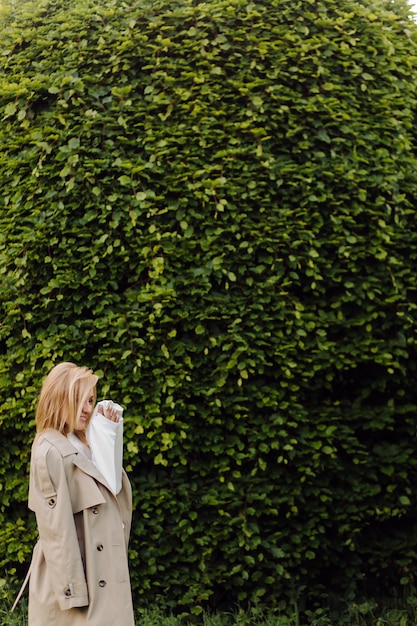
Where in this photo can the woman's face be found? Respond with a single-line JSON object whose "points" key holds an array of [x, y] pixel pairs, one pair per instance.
{"points": [[86, 411]]}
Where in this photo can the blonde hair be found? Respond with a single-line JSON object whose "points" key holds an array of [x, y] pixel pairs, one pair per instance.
{"points": [[62, 396]]}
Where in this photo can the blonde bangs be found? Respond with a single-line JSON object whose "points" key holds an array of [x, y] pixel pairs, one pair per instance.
{"points": [[79, 393], [63, 393]]}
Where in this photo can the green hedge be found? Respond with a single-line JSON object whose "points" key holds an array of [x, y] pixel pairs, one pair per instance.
{"points": [[213, 205]]}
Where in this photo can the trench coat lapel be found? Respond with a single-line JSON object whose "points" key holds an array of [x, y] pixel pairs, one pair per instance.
{"points": [[66, 448], [88, 468]]}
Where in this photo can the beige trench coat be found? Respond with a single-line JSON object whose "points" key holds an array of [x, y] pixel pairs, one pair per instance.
{"points": [[79, 572]]}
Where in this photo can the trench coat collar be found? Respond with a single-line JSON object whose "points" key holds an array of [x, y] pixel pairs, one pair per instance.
{"points": [[65, 447]]}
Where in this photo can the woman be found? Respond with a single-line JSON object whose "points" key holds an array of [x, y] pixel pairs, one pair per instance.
{"points": [[79, 572]]}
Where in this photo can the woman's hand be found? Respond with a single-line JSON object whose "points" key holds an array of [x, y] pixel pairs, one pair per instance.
{"points": [[110, 413]]}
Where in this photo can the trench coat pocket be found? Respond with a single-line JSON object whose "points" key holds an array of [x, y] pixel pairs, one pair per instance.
{"points": [[119, 560]]}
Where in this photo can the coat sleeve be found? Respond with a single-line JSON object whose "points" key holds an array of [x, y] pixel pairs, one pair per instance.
{"points": [[49, 498], [106, 442]]}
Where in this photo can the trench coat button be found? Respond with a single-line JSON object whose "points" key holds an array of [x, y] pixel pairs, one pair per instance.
{"points": [[100, 547], [67, 592], [101, 583], [51, 503], [94, 510]]}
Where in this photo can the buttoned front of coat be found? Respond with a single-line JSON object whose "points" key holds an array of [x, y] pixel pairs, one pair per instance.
{"points": [[79, 573]]}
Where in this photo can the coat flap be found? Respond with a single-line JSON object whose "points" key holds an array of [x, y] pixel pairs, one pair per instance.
{"points": [[87, 467], [83, 500], [85, 495]]}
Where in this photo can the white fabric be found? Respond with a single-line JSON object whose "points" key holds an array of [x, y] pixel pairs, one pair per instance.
{"points": [[106, 442]]}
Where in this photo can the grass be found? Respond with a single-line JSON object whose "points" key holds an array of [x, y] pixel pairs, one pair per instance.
{"points": [[366, 614], [400, 610]]}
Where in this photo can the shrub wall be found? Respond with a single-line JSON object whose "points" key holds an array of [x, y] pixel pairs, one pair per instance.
{"points": [[213, 205]]}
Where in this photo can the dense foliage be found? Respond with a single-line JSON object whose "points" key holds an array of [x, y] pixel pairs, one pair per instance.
{"points": [[213, 205]]}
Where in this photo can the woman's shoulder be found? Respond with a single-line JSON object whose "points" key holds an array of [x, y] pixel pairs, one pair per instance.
{"points": [[52, 439]]}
